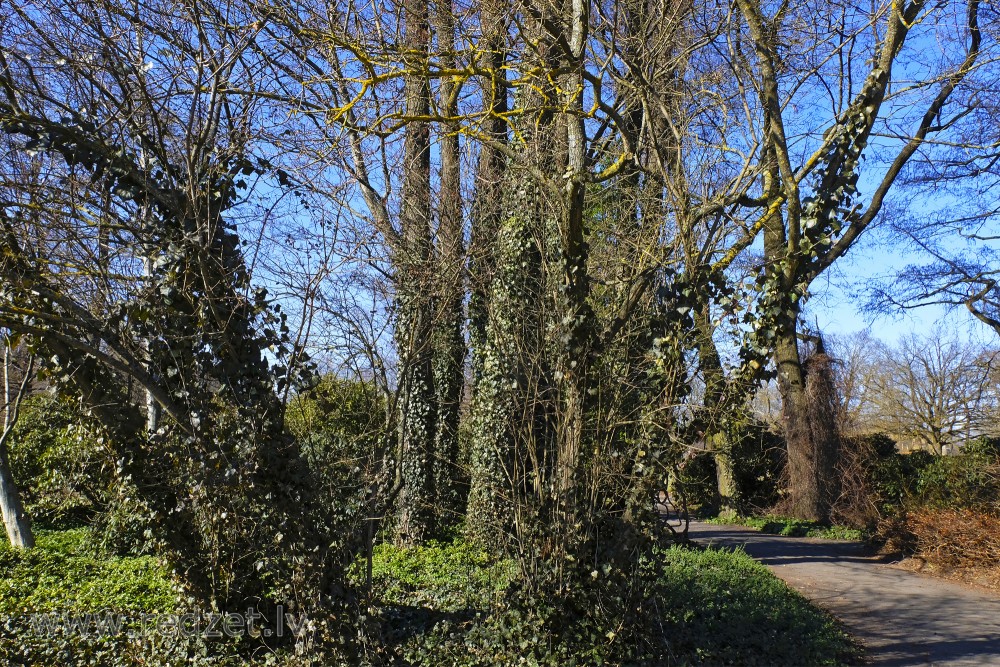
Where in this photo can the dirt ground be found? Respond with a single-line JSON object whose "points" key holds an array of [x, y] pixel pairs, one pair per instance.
{"points": [[901, 615]]}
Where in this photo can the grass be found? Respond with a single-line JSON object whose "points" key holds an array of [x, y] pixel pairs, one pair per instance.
{"points": [[776, 525], [440, 575], [730, 609]]}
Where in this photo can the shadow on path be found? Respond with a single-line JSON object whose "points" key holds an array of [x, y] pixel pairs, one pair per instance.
{"points": [[902, 618]]}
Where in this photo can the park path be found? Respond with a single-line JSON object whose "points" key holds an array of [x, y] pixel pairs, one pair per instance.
{"points": [[901, 617]]}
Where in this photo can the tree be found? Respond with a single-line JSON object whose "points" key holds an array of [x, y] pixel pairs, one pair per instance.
{"points": [[857, 369], [122, 268], [449, 346], [950, 213], [939, 391], [811, 212], [414, 284], [951, 277]]}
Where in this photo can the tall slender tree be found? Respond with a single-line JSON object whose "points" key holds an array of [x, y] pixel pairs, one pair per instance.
{"points": [[415, 280]]}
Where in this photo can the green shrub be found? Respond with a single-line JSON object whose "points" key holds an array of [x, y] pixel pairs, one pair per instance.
{"points": [[339, 425], [897, 476], [696, 480], [969, 479], [758, 456], [338, 414], [62, 470]]}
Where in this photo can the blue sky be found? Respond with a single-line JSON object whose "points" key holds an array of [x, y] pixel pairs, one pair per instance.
{"points": [[838, 299]]}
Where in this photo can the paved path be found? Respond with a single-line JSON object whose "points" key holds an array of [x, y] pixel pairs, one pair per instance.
{"points": [[902, 618]]}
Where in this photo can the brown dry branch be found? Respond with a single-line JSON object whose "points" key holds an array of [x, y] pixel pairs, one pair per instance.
{"points": [[955, 538]]}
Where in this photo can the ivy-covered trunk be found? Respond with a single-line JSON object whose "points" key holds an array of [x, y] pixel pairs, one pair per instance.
{"points": [[531, 404], [488, 206], [715, 433], [415, 278], [572, 326], [502, 265], [449, 347], [506, 419]]}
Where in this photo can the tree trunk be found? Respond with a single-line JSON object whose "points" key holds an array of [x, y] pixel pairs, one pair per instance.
{"points": [[716, 439], [493, 364], [414, 326], [824, 424], [15, 519], [804, 472], [449, 352], [487, 204]]}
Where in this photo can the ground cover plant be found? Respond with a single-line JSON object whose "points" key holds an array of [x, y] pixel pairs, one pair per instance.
{"points": [[444, 603], [452, 603]]}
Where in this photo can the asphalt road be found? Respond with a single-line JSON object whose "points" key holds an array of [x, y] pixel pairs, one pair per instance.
{"points": [[901, 617]]}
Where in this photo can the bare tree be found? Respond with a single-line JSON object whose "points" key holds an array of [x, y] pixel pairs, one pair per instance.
{"points": [[938, 391], [967, 276], [857, 367]]}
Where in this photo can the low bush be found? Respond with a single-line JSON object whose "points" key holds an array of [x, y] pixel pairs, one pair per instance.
{"points": [[339, 425], [63, 472], [696, 481], [896, 478], [881, 484], [944, 509], [759, 457], [967, 480]]}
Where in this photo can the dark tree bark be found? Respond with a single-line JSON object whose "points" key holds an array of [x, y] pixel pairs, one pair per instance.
{"points": [[804, 472], [487, 204], [449, 351]]}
